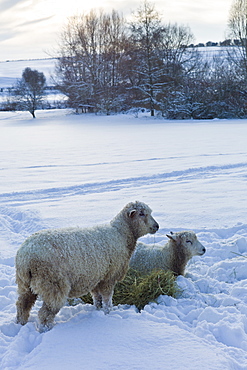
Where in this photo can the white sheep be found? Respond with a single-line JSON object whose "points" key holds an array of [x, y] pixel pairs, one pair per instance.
{"points": [[174, 255], [60, 263]]}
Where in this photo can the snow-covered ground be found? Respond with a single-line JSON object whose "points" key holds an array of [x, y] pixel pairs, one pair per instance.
{"points": [[10, 71], [67, 170]]}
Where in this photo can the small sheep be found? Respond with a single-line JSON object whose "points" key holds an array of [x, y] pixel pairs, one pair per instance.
{"points": [[60, 263], [174, 255]]}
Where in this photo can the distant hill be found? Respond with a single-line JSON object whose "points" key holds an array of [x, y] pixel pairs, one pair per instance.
{"points": [[12, 70]]}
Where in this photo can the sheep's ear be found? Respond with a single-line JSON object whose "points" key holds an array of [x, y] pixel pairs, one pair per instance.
{"points": [[170, 236], [132, 213]]}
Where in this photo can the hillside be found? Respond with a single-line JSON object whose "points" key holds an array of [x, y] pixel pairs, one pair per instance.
{"points": [[11, 70]]}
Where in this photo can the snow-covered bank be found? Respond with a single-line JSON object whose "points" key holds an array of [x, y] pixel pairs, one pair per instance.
{"points": [[67, 170]]}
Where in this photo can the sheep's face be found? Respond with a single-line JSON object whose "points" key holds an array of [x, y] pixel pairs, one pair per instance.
{"points": [[141, 217], [188, 240]]}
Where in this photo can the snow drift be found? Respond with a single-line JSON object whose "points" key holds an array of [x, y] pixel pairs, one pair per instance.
{"points": [[192, 174]]}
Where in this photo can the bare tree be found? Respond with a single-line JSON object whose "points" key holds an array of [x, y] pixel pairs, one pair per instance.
{"points": [[177, 56], [91, 48], [146, 42], [160, 56], [29, 90], [237, 26]]}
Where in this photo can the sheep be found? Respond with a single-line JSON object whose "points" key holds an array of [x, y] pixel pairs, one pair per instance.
{"points": [[57, 264], [174, 255]]}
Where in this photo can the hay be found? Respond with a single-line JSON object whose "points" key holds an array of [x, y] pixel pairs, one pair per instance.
{"points": [[138, 289]]}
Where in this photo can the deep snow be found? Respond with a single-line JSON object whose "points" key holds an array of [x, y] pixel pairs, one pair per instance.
{"points": [[67, 170]]}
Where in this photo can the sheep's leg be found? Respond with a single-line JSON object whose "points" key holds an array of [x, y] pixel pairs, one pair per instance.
{"points": [[102, 295], [54, 291], [107, 301], [24, 304], [97, 298], [47, 314], [106, 289]]}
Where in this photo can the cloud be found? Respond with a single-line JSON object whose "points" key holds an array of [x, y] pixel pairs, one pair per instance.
{"points": [[7, 35], [30, 26], [35, 21], [8, 4]]}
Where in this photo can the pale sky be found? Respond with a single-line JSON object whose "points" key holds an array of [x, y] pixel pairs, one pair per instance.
{"points": [[30, 28]]}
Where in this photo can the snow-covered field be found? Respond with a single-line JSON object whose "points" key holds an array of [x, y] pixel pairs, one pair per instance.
{"points": [[67, 170], [12, 70]]}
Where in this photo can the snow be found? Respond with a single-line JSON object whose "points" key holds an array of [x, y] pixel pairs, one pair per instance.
{"points": [[67, 170], [10, 71]]}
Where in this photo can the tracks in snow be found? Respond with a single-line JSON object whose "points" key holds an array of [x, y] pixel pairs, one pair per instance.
{"points": [[189, 174]]}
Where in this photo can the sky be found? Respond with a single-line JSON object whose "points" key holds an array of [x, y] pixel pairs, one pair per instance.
{"points": [[30, 29]]}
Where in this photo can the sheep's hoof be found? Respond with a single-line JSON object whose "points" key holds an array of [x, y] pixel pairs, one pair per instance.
{"points": [[20, 321], [107, 310], [45, 328]]}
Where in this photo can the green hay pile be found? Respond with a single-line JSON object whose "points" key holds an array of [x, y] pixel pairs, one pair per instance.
{"points": [[137, 289]]}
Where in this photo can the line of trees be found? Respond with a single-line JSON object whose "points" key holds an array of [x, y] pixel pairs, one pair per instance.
{"points": [[110, 66], [104, 64], [113, 67]]}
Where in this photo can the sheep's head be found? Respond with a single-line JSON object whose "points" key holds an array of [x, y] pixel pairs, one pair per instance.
{"points": [[140, 216], [188, 240]]}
